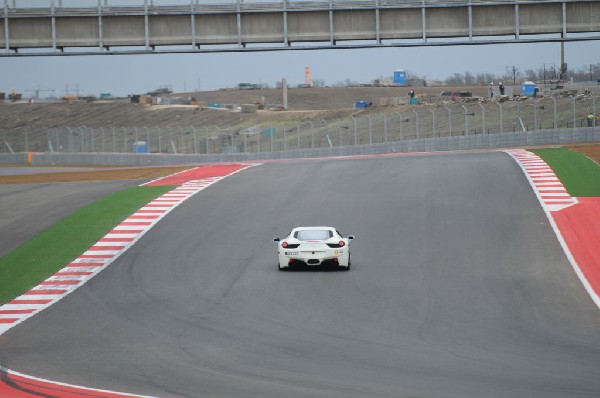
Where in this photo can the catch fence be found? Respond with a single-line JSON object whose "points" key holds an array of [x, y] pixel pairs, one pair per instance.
{"points": [[440, 122]]}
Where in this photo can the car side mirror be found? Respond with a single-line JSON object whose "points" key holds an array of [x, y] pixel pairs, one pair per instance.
{"points": [[276, 240], [350, 237]]}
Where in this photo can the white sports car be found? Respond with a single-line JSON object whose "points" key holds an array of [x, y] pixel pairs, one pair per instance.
{"points": [[314, 246]]}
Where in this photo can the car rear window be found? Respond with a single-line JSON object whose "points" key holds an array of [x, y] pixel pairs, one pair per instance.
{"points": [[314, 234]]}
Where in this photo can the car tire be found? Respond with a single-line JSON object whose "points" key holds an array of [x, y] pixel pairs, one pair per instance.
{"points": [[349, 264]]}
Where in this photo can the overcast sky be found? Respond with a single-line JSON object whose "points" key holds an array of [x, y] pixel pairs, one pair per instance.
{"points": [[122, 75]]}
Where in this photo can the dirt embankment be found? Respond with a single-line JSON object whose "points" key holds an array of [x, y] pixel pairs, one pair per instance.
{"points": [[326, 103], [591, 151]]}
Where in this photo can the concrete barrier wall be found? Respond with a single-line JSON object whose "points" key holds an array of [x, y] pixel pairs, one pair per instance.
{"points": [[482, 141], [13, 158]]}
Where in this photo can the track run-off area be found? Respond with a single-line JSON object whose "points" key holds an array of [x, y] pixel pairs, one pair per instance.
{"points": [[460, 287]]}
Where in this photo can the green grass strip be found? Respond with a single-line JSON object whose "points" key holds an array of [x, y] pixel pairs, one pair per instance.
{"points": [[52, 249], [579, 174]]}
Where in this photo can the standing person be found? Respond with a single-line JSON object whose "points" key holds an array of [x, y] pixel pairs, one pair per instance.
{"points": [[501, 87], [411, 93], [491, 90]]}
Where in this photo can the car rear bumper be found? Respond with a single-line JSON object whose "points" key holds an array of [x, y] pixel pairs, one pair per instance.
{"points": [[289, 258]]}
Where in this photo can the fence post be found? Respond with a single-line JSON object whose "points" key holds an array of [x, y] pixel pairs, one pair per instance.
{"points": [[482, 118], [535, 118], [594, 111], [26, 131], [555, 118], [501, 121], [298, 133], [284, 138], [136, 137], [433, 121], [312, 134], [466, 121], [416, 122], [370, 130], [159, 130], [81, 136], [205, 140], [181, 145], [385, 129], [574, 114], [355, 130], [400, 125], [449, 119], [92, 139], [124, 139], [147, 139]]}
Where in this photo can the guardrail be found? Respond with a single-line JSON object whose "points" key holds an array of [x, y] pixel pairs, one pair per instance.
{"points": [[500, 140]]}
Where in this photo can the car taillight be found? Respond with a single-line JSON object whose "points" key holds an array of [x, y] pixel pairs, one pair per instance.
{"points": [[284, 245], [342, 243]]}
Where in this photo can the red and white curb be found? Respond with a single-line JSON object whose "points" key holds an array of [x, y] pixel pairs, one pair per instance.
{"points": [[554, 198], [545, 183], [100, 255], [17, 385]]}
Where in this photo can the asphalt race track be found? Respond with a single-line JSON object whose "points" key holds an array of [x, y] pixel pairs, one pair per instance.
{"points": [[28, 209], [458, 288]]}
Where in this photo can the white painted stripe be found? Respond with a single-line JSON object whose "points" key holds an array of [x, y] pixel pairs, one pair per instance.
{"points": [[120, 236], [549, 184], [60, 278], [544, 179], [556, 200], [101, 252], [545, 195], [100, 261], [128, 228], [82, 269], [38, 297], [107, 244], [23, 306]]}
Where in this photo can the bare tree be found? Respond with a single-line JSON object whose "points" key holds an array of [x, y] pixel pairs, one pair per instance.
{"points": [[531, 75], [469, 78], [485, 78], [455, 79]]}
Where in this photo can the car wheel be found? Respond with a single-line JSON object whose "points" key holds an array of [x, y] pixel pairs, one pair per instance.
{"points": [[349, 264]]}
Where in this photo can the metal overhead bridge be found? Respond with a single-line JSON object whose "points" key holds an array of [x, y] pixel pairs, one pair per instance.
{"points": [[102, 28]]}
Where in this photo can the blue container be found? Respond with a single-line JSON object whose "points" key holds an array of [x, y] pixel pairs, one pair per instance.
{"points": [[528, 88], [269, 132], [140, 147], [361, 104], [400, 76]]}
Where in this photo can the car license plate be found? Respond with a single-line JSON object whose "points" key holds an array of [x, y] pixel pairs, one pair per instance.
{"points": [[291, 253]]}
